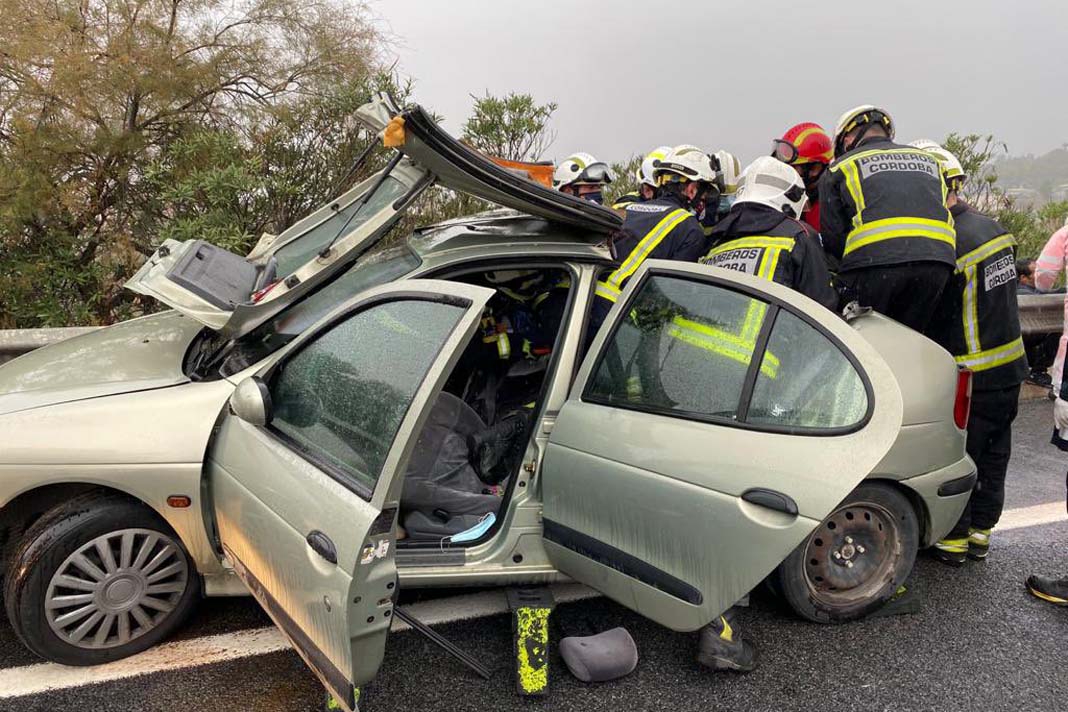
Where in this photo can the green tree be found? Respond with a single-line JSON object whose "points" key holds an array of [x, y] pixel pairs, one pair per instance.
{"points": [[514, 126], [625, 181], [100, 98], [976, 154]]}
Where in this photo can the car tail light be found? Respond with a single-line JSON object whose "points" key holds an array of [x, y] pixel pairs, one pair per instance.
{"points": [[962, 406]]}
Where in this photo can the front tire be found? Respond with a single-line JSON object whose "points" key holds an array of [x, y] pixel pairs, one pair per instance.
{"points": [[856, 560], [96, 579]]}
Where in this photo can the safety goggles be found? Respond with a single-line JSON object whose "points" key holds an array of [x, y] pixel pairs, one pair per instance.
{"points": [[784, 151], [595, 173]]}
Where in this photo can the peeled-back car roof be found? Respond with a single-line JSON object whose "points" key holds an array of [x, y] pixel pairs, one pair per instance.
{"points": [[509, 231]]}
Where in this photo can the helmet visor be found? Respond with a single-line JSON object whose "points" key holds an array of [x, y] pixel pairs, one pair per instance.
{"points": [[595, 173], [784, 151]]}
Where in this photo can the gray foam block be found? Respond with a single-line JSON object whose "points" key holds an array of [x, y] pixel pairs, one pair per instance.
{"points": [[602, 657]]}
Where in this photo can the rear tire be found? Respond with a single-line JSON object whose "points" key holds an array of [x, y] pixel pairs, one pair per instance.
{"points": [[856, 560], [96, 579]]}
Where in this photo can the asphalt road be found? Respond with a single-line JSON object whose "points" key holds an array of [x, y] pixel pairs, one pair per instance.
{"points": [[980, 642]]}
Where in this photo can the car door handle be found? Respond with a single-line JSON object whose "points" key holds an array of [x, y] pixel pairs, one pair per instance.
{"points": [[771, 499], [320, 543]]}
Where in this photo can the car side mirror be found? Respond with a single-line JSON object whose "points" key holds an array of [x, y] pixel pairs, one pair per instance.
{"points": [[251, 401]]}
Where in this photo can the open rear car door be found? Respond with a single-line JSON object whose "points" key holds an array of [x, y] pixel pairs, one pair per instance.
{"points": [[716, 420], [307, 465]]}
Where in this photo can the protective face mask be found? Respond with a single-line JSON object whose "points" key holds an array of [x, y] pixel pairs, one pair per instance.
{"points": [[476, 531], [595, 197]]}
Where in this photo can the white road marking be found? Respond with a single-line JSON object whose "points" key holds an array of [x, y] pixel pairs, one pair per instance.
{"points": [[1032, 516], [208, 650]]}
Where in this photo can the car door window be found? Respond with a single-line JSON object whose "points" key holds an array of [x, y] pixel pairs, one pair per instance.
{"points": [[685, 347], [341, 398], [813, 384], [300, 251]]}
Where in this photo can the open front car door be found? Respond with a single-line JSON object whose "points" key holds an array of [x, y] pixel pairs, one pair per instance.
{"points": [[716, 421], [306, 469]]}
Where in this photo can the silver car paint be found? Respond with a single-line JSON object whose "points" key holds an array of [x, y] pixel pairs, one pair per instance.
{"points": [[489, 562]]}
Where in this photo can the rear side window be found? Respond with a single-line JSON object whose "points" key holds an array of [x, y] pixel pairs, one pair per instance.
{"points": [[700, 350], [341, 399], [685, 347], [813, 384]]}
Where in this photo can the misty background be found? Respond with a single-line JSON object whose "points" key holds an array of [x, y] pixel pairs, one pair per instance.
{"points": [[629, 75]]}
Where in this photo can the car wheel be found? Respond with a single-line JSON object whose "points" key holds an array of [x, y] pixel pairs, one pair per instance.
{"points": [[855, 560], [97, 579]]}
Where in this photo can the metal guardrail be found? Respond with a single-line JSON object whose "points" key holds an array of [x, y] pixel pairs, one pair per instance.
{"points": [[1039, 314]]}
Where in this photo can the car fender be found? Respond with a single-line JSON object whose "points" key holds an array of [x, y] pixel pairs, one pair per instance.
{"points": [[149, 445]]}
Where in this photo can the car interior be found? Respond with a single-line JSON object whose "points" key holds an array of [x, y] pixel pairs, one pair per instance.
{"points": [[460, 473]]}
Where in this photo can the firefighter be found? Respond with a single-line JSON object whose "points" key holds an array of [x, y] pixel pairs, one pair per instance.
{"points": [[978, 322], [646, 180], [883, 214], [807, 148], [728, 171], [583, 176], [763, 236], [666, 227]]}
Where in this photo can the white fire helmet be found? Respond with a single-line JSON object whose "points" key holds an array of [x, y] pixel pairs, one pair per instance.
{"points": [[768, 181]]}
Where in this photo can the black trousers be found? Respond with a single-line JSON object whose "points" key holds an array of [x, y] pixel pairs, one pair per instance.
{"points": [[990, 445], [1041, 351], [907, 292]]}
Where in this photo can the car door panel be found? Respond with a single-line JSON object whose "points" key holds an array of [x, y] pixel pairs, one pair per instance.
{"points": [[648, 507], [284, 515]]}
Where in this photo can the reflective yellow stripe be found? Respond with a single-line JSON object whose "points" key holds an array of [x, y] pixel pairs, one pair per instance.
{"points": [[754, 317], [732, 346], [1006, 241], [956, 546], [769, 261], [756, 241], [852, 179], [879, 151], [727, 633], [606, 290], [970, 312], [648, 243], [992, 358], [891, 228]]}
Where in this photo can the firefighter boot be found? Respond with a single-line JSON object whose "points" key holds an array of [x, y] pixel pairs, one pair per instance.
{"points": [[978, 544], [952, 552], [721, 648], [1049, 589]]}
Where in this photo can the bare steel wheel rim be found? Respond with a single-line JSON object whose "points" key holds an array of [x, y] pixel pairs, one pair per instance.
{"points": [[116, 588], [852, 554]]}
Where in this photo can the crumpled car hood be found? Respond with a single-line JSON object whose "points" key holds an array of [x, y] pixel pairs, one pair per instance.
{"points": [[135, 355]]}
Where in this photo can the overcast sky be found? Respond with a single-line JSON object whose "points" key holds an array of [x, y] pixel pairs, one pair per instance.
{"points": [[631, 75]]}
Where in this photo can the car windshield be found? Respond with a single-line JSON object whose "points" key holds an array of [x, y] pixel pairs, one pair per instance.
{"points": [[371, 270]]}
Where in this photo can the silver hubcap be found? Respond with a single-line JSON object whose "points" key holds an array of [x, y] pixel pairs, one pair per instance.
{"points": [[116, 588]]}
